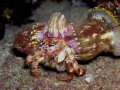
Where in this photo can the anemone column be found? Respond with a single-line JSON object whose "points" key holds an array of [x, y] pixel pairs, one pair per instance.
{"points": [[101, 33]]}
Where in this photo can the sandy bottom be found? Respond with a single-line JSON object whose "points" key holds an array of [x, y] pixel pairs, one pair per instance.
{"points": [[103, 72]]}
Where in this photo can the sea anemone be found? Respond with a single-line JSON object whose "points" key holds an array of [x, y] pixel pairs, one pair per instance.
{"points": [[57, 26], [111, 24]]}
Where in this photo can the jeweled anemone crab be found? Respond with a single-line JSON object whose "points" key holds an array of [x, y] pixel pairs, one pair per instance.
{"points": [[59, 44]]}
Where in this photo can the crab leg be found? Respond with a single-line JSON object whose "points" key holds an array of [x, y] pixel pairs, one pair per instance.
{"points": [[29, 59], [71, 72], [78, 70], [34, 66], [32, 57], [72, 64]]}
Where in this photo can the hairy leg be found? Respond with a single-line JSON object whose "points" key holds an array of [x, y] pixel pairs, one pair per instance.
{"points": [[78, 70], [34, 66], [71, 72], [29, 59]]}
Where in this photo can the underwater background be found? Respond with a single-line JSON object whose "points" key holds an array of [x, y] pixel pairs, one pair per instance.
{"points": [[103, 72]]}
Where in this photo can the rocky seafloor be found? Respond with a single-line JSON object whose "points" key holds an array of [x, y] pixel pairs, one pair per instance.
{"points": [[103, 72]]}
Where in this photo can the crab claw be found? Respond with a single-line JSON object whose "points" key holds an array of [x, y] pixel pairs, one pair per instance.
{"points": [[34, 66], [29, 59]]}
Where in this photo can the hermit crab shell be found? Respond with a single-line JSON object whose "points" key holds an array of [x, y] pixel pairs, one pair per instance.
{"points": [[111, 24]]}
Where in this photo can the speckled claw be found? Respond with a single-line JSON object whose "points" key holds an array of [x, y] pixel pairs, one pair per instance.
{"points": [[28, 60], [34, 66]]}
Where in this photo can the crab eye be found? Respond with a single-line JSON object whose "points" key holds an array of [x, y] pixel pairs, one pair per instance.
{"points": [[40, 41], [53, 42]]}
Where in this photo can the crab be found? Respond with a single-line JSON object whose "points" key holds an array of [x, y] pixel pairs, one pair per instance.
{"points": [[58, 50], [59, 44]]}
